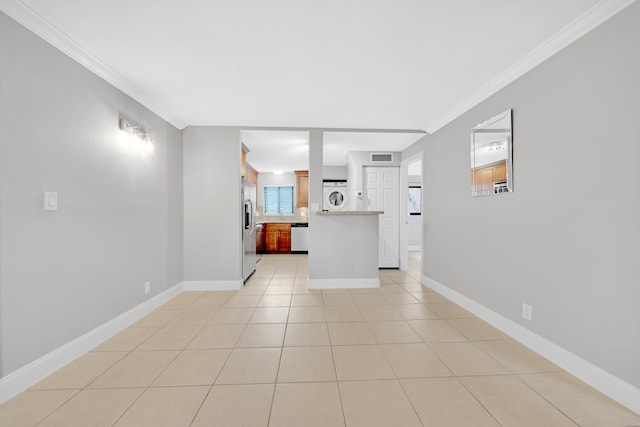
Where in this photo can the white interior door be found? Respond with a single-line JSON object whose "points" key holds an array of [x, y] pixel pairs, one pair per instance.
{"points": [[383, 194]]}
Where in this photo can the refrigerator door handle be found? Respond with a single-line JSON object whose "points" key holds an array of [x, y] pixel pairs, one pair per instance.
{"points": [[249, 217]]}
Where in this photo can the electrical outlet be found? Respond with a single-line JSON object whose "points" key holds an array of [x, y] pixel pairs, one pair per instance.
{"points": [[527, 312], [147, 287]]}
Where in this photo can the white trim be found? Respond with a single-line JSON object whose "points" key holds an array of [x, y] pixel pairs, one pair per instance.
{"points": [[343, 283], [404, 210], [25, 377], [212, 285], [569, 34], [403, 242], [617, 389], [46, 30]]}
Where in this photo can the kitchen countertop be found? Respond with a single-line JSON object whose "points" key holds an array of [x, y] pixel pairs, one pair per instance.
{"points": [[346, 213], [280, 222]]}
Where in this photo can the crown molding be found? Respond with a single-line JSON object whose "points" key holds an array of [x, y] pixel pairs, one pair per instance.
{"points": [[569, 34], [29, 18]]}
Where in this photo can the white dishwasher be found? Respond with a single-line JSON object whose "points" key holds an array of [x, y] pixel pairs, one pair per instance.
{"points": [[299, 238]]}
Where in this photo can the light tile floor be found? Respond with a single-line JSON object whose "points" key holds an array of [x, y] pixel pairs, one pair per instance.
{"points": [[277, 354]]}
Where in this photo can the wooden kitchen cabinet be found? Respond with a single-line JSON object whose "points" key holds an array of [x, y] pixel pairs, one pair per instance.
{"points": [[277, 237], [302, 189], [259, 238], [252, 174], [243, 161], [270, 239], [284, 241], [501, 171], [487, 176], [248, 171]]}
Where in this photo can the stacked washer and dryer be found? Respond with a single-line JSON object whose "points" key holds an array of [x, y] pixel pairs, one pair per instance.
{"points": [[335, 197]]}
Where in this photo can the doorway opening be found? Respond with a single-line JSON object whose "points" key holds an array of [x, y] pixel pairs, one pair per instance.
{"points": [[411, 207]]}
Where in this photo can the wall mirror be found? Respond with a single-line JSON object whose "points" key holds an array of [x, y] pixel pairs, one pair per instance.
{"points": [[491, 156]]}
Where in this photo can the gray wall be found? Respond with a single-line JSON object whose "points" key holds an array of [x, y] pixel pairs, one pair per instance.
{"points": [[317, 224], [413, 149], [212, 211], [356, 161], [119, 221], [344, 247], [567, 240]]}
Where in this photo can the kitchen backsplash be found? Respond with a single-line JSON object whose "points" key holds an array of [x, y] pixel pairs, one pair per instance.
{"points": [[299, 215]]}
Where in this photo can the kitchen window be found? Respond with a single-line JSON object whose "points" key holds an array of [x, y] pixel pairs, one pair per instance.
{"points": [[278, 199]]}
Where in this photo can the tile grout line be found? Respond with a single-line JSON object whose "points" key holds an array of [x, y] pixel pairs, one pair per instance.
{"points": [[195, 415], [206, 396], [159, 374], [59, 406], [179, 353], [166, 367], [415, 411], [397, 379], [86, 386], [477, 400], [335, 370], [517, 376], [275, 385]]}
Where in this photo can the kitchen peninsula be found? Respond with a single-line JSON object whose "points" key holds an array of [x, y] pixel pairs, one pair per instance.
{"points": [[346, 250]]}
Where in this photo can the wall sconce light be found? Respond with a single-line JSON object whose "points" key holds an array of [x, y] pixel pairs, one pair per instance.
{"points": [[141, 139], [496, 146]]}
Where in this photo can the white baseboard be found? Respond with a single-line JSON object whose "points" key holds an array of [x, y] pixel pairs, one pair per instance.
{"points": [[25, 377], [343, 283], [212, 285], [617, 389]]}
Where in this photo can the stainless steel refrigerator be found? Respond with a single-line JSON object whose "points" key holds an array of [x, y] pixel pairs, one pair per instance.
{"points": [[248, 228]]}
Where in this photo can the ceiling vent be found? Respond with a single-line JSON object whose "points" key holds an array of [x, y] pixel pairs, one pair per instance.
{"points": [[381, 157]]}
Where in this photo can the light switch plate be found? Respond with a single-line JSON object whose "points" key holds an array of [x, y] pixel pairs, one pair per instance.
{"points": [[50, 201]]}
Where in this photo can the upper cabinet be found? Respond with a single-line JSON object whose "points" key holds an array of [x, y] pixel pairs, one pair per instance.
{"points": [[245, 150], [302, 189], [247, 170], [252, 174], [484, 180]]}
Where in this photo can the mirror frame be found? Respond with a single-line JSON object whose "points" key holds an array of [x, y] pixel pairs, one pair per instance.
{"points": [[508, 133]]}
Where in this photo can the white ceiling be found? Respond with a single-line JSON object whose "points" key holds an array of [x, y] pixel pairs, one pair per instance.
{"points": [[490, 140], [286, 151], [402, 64], [276, 151], [336, 145]]}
